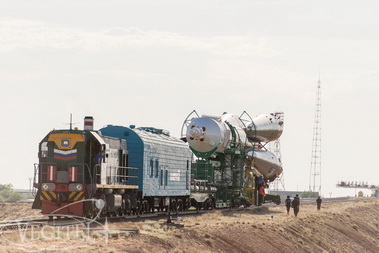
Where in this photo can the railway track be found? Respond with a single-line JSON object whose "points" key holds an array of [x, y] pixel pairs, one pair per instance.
{"points": [[65, 221], [100, 221]]}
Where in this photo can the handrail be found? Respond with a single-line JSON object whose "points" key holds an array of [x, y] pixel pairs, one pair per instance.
{"points": [[186, 123], [117, 179], [36, 175]]}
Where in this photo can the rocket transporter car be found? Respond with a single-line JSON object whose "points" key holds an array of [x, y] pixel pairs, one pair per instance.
{"points": [[121, 170], [232, 156]]}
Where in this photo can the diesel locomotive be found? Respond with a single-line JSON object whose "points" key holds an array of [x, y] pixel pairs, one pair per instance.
{"points": [[130, 169]]}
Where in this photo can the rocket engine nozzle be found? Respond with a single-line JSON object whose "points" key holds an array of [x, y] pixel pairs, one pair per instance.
{"points": [[205, 134], [209, 134], [197, 133]]}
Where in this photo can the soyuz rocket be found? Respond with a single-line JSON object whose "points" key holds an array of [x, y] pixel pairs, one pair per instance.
{"points": [[208, 135]]}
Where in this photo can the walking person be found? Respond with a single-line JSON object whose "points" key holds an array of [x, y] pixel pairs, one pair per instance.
{"points": [[296, 205], [261, 194], [288, 204], [318, 201]]}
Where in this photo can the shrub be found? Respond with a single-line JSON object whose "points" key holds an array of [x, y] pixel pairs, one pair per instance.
{"points": [[7, 193], [309, 194]]}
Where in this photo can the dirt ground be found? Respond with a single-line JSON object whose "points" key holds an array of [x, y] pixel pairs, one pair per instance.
{"points": [[351, 226]]}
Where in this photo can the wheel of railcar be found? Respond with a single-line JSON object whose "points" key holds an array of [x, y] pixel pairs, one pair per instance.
{"points": [[198, 206], [120, 212], [88, 214], [145, 206], [152, 205], [104, 207], [206, 205], [93, 214], [213, 204], [185, 205], [209, 204], [180, 205], [136, 211], [139, 207], [188, 204], [160, 207], [174, 207], [128, 206], [232, 204]]}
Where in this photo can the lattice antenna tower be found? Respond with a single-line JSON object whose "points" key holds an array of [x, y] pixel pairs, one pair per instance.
{"points": [[315, 171], [278, 183]]}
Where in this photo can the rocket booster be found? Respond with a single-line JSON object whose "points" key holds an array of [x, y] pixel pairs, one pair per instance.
{"points": [[214, 134], [209, 134], [265, 128], [267, 163]]}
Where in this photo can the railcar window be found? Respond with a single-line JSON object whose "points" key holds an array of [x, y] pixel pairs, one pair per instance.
{"points": [[187, 180], [166, 178], [156, 167], [161, 177], [151, 167]]}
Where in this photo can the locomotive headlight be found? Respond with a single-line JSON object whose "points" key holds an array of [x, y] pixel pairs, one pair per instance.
{"points": [[79, 187], [48, 187], [75, 187]]}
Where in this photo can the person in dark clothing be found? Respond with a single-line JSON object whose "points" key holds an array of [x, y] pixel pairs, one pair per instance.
{"points": [[98, 158], [288, 204], [261, 194], [296, 205], [318, 201]]}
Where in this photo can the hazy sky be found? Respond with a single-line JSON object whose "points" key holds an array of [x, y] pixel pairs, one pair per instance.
{"points": [[150, 63]]}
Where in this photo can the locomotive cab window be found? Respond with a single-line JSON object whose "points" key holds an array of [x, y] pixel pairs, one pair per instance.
{"points": [[44, 149]]}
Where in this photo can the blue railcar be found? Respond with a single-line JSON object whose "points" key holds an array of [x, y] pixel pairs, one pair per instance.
{"points": [[164, 166]]}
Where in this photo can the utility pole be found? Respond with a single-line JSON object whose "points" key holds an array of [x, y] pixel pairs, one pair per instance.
{"points": [[315, 171], [30, 184]]}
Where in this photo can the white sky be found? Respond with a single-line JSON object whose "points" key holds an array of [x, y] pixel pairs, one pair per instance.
{"points": [[150, 63]]}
